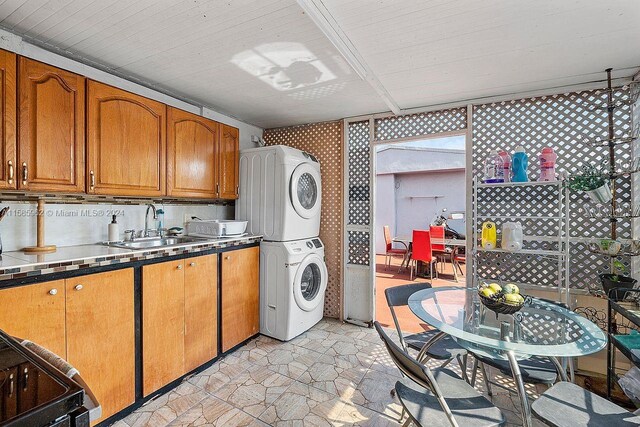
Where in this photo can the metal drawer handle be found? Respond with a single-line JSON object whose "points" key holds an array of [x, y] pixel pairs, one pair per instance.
{"points": [[193, 264], [92, 180], [11, 172], [78, 287], [180, 267], [53, 292], [227, 257], [25, 173]]}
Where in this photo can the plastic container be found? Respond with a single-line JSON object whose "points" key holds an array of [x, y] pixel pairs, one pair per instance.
{"points": [[493, 168], [519, 166], [512, 236], [160, 220], [489, 236], [506, 165], [547, 164]]}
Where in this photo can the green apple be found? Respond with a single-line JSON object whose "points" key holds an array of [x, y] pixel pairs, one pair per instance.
{"points": [[495, 287], [513, 299], [510, 288]]}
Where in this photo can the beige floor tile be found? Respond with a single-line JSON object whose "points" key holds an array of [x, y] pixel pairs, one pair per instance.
{"points": [[254, 389], [215, 412], [334, 375], [220, 373], [166, 408]]}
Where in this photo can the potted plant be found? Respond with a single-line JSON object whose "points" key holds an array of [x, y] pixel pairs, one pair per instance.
{"points": [[617, 279], [594, 181]]}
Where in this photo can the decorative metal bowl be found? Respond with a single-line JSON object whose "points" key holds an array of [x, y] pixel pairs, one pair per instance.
{"points": [[498, 306]]}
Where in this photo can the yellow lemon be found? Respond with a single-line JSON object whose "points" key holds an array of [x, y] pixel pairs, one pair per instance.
{"points": [[513, 299], [510, 288], [487, 292], [495, 287]]}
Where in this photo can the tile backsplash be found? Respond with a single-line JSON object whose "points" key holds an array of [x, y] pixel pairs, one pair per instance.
{"points": [[76, 224]]}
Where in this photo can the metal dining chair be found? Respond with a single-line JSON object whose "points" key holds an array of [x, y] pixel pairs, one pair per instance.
{"points": [[438, 397], [390, 251], [569, 405], [421, 251], [444, 348], [437, 244]]}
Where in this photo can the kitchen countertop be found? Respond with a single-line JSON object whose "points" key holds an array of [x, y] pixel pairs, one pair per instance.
{"points": [[17, 264]]}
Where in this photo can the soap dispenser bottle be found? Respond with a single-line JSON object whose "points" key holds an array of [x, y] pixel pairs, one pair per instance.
{"points": [[114, 233]]}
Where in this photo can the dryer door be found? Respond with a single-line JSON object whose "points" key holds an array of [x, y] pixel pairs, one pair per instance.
{"points": [[304, 190], [310, 282]]}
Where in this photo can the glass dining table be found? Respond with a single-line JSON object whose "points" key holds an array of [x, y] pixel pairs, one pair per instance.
{"points": [[540, 328]]}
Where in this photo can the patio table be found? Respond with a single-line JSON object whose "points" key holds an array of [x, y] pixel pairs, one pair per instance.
{"points": [[408, 240], [540, 328]]}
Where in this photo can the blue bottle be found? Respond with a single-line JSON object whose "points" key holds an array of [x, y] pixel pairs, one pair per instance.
{"points": [[519, 164]]}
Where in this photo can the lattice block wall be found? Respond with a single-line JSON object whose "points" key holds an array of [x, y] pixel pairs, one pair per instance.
{"points": [[324, 141], [396, 127], [563, 122]]}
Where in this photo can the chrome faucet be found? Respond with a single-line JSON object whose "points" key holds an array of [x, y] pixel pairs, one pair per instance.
{"points": [[146, 218]]}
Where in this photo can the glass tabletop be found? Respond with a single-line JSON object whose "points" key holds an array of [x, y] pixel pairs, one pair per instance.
{"points": [[540, 328]]}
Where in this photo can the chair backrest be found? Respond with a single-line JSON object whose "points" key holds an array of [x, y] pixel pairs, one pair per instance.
{"points": [[421, 246], [407, 364], [398, 296], [437, 237], [387, 237]]}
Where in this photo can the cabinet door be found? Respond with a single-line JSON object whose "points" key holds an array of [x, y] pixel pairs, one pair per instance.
{"points": [[240, 296], [200, 310], [126, 146], [7, 120], [228, 161], [191, 155], [51, 137], [35, 312], [162, 324], [101, 336]]}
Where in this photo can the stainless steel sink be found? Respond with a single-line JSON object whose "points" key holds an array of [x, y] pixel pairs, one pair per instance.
{"points": [[154, 242]]}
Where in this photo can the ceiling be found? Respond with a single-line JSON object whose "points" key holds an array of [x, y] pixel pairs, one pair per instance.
{"points": [[267, 62]]}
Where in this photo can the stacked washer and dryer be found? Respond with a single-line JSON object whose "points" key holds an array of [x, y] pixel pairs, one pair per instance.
{"points": [[280, 196]]}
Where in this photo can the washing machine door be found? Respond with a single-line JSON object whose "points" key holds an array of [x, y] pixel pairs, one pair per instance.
{"points": [[310, 282], [304, 190]]}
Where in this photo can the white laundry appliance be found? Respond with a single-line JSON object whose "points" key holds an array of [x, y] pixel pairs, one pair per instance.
{"points": [[293, 281], [280, 193]]}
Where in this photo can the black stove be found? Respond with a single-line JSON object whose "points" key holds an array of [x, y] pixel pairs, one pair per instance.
{"points": [[34, 393]]}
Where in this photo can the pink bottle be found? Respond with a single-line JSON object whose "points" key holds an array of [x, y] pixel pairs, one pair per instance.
{"points": [[547, 165], [506, 161]]}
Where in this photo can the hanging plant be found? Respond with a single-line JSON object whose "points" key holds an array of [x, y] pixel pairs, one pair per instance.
{"points": [[593, 180]]}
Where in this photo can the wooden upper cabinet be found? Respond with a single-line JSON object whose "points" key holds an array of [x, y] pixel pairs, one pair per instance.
{"points": [[101, 335], [191, 155], [126, 146], [7, 120], [228, 158], [37, 313], [51, 121]]}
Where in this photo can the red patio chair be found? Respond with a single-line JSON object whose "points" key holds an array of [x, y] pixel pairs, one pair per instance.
{"points": [[421, 250], [437, 244], [390, 250]]}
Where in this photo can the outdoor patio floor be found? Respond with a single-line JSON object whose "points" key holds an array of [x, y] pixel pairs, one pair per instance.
{"points": [[390, 277], [336, 374]]}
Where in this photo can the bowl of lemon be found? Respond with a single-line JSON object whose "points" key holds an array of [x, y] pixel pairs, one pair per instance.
{"points": [[502, 299]]}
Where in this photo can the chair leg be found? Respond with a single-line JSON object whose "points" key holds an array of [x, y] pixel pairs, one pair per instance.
{"points": [[406, 423], [474, 372], [411, 270], [486, 379]]}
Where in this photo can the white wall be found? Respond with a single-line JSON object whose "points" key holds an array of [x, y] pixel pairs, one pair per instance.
{"points": [[411, 209], [76, 224]]}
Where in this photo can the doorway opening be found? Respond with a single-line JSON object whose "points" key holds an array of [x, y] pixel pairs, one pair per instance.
{"points": [[418, 183]]}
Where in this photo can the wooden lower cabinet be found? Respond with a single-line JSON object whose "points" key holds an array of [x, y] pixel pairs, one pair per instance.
{"points": [[37, 313], [162, 324], [240, 296], [201, 310], [101, 336]]}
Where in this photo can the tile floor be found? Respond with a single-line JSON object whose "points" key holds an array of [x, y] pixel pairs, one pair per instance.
{"points": [[334, 375]]}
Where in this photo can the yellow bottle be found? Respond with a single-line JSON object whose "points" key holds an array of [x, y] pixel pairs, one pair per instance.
{"points": [[489, 238]]}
